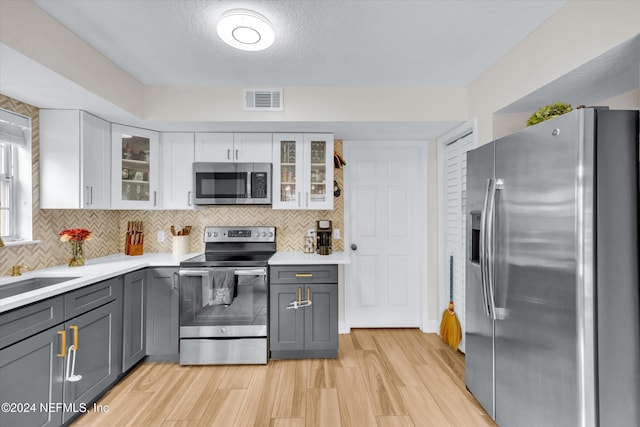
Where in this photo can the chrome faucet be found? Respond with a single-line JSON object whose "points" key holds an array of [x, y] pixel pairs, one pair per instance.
{"points": [[15, 270]]}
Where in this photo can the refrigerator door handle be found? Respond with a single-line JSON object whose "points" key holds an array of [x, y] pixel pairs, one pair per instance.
{"points": [[483, 247], [491, 219]]}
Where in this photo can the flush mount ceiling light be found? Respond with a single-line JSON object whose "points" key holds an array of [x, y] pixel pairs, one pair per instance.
{"points": [[246, 30]]}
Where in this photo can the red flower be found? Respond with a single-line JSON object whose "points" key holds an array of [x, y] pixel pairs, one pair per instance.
{"points": [[75, 235]]}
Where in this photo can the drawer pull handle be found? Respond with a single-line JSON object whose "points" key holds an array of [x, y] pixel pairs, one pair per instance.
{"points": [[64, 344], [299, 275], [299, 295], [308, 296], [75, 336]]}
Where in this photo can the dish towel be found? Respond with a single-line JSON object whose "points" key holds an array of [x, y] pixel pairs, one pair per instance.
{"points": [[222, 284]]}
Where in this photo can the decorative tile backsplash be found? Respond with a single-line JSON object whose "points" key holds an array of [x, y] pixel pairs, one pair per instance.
{"points": [[109, 227]]}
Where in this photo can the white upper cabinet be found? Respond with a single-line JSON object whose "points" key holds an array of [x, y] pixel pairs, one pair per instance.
{"points": [[177, 177], [75, 160], [136, 168], [233, 147], [303, 171], [252, 147]]}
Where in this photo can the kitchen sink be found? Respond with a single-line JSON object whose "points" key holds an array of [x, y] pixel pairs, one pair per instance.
{"points": [[30, 284]]}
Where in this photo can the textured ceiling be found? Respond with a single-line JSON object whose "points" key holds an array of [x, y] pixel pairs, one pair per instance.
{"points": [[318, 42]]}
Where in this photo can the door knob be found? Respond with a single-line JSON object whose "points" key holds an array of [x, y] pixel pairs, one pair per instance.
{"points": [[354, 247]]}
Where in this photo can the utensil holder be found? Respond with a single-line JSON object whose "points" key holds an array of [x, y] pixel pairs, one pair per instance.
{"points": [[180, 244]]}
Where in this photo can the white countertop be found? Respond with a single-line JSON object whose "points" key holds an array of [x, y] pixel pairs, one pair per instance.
{"points": [[95, 270], [98, 269], [300, 258]]}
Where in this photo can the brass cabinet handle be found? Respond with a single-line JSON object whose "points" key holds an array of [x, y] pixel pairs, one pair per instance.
{"points": [[299, 295], [300, 275], [63, 353], [75, 336], [308, 295]]}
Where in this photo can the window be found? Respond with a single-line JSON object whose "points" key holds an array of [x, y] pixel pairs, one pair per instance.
{"points": [[15, 178], [7, 193]]}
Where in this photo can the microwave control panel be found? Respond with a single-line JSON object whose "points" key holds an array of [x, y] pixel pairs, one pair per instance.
{"points": [[259, 185]]}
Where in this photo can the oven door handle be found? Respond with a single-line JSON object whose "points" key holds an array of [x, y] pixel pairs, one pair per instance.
{"points": [[251, 272], [194, 272]]}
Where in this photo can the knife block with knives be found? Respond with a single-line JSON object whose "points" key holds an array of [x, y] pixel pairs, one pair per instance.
{"points": [[135, 238]]}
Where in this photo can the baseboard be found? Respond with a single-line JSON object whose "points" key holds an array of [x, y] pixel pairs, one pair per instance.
{"points": [[343, 328], [431, 327]]}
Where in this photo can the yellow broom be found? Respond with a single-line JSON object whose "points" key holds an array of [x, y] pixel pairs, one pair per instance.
{"points": [[450, 329]]}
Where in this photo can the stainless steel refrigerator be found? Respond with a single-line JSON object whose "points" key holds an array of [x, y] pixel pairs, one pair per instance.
{"points": [[552, 323]]}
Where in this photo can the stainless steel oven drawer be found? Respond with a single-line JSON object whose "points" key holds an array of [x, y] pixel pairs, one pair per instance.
{"points": [[236, 351]]}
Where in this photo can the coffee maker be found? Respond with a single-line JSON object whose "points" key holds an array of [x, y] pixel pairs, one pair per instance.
{"points": [[323, 237]]}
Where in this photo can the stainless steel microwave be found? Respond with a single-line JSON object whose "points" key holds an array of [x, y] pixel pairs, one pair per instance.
{"points": [[232, 183]]}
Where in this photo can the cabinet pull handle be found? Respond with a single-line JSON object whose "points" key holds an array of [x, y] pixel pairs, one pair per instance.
{"points": [[229, 154], [63, 353], [75, 336], [236, 154], [302, 275], [308, 295], [299, 201], [299, 295], [91, 194], [155, 198], [174, 284], [189, 198], [307, 205]]}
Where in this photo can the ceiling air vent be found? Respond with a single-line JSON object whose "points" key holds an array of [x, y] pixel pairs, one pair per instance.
{"points": [[262, 100]]}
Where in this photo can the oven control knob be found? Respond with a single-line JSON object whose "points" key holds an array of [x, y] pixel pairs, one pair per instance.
{"points": [[271, 234], [223, 330], [264, 234], [215, 234]]}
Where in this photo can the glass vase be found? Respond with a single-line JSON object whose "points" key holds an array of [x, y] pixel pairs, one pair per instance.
{"points": [[77, 254]]}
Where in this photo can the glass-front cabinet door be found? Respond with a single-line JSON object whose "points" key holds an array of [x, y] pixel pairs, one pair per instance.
{"points": [[287, 171], [135, 174], [303, 171], [319, 171]]}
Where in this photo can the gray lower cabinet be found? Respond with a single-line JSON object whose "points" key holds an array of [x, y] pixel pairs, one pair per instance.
{"points": [[49, 377], [97, 357], [162, 314], [30, 375], [134, 341], [309, 331]]}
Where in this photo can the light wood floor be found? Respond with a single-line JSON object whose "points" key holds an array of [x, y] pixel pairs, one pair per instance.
{"points": [[382, 377]]}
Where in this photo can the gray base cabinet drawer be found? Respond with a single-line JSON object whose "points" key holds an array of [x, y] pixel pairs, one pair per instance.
{"points": [[92, 296], [23, 322], [294, 274]]}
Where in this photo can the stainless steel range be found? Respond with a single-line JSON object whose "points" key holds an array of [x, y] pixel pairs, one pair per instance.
{"points": [[224, 297]]}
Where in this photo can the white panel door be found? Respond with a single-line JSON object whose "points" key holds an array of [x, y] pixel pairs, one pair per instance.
{"points": [[385, 202], [455, 243]]}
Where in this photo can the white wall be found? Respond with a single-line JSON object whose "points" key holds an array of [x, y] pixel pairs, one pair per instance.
{"points": [[29, 30], [577, 33]]}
